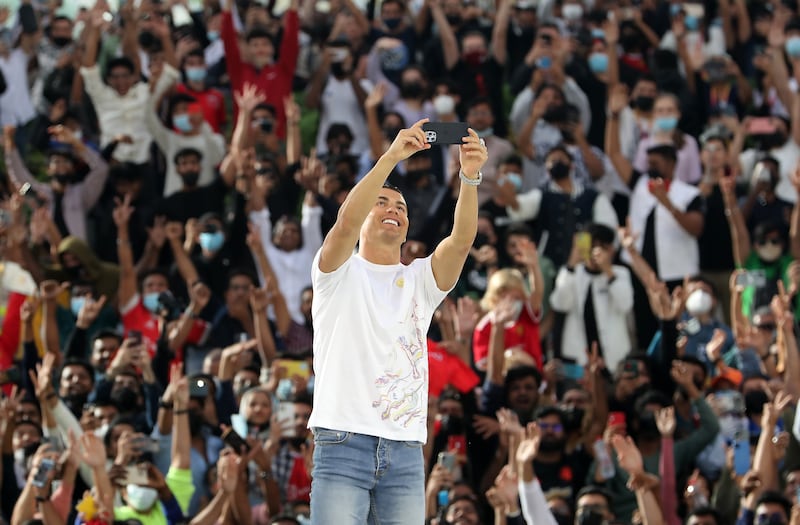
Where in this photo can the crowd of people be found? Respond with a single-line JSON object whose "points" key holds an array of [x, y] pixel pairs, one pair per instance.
{"points": [[620, 347]]}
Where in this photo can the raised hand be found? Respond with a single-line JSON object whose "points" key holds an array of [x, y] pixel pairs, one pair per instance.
{"points": [[527, 254], [89, 311], [49, 290], [63, 134], [618, 99], [509, 422], [506, 488], [122, 212], [199, 296], [248, 98], [291, 109], [174, 231], [375, 97], [682, 375], [228, 472], [665, 421], [529, 447], [505, 311], [472, 154], [628, 455], [714, 346], [92, 451], [260, 299], [408, 142]]}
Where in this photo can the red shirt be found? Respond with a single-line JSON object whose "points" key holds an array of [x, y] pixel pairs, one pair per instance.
{"points": [[273, 81], [523, 333], [213, 103], [137, 317], [447, 369]]}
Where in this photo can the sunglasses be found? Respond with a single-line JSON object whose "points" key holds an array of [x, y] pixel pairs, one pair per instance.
{"points": [[555, 427]]}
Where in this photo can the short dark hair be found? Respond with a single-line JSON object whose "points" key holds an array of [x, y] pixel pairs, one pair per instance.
{"points": [[266, 106], [707, 512], [463, 497], [302, 397], [126, 171], [121, 420], [550, 411], [775, 497], [518, 228], [601, 233], [389, 186], [520, 372], [479, 101], [187, 152], [512, 158], [240, 272], [651, 397], [125, 62], [79, 363], [107, 333], [764, 228], [666, 151], [595, 489], [258, 32], [560, 147], [153, 271], [337, 129]]}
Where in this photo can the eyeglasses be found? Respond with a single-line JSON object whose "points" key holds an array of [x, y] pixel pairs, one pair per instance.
{"points": [[555, 427], [770, 519]]}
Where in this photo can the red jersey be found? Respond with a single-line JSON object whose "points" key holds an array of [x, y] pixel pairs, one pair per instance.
{"points": [[213, 103], [447, 369], [273, 81], [523, 333], [136, 317]]}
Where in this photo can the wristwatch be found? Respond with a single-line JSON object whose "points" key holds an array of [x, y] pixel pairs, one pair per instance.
{"points": [[471, 182]]}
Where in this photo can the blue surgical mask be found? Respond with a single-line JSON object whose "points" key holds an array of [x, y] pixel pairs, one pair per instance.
{"points": [[674, 9], [485, 133], [212, 36], [516, 180], [75, 304], [196, 74], [284, 390], [692, 23], [598, 34], [182, 122], [598, 62], [666, 123], [211, 242], [150, 301], [793, 46]]}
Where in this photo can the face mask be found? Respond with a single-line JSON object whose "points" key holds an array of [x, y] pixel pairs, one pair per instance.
{"points": [[453, 20], [101, 431], [141, 499], [63, 179], [475, 58], [484, 133], [451, 425], [793, 46], [182, 123], [648, 429], [552, 445], [75, 305], [598, 34], [150, 301], [337, 69], [573, 418], [212, 36], [644, 103], [284, 390], [61, 41], [126, 399], [665, 123], [699, 302], [589, 517], [692, 23], [444, 104], [190, 179], [516, 310], [572, 12], [769, 252], [598, 62], [266, 125], [392, 23], [516, 180], [302, 519], [196, 74], [754, 402], [211, 242], [411, 90], [559, 170]]}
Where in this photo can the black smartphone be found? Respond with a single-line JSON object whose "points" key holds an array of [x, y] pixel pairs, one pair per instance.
{"points": [[235, 441], [40, 478], [10, 375], [198, 387], [135, 336], [445, 132]]}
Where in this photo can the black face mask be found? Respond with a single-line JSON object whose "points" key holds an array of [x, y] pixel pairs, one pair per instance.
{"points": [[648, 429], [411, 90], [190, 178], [559, 170], [589, 517], [654, 174], [644, 103], [754, 402], [266, 125], [631, 42], [64, 179], [451, 425], [126, 399], [552, 445], [61, 41], [775, 140], [337, 69], [562, 519], [147, 39], [75, 402], [567, 136], [573, 419], [454, 20], [555, 114]]}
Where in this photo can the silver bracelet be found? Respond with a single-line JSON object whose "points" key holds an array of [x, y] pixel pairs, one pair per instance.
{"points": [[468, 181]]}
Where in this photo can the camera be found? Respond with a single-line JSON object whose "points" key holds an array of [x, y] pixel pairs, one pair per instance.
{"points": [[168, 306]]}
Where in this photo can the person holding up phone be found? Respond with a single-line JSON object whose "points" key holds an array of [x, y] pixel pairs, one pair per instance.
{"points": [[375, 406]]}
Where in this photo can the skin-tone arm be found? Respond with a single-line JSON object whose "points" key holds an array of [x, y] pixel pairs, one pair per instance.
{"points": [[630, 460], [502, 313], [182, 260], [594, 165], [199, 296], [524, 142], [282, 317], [246, 101], [679, 30], [691, 221], [787, 342], [500, 32], [319, 80], [763, 461], [92, 36], [529, 257], [93, 453], [780, 73], [527, 450], [127, 274], [156, 237], [451, 254], [447, 36], [293, 139], [611, 29], [259, 302], [794, 228], [724, 13], [50, 290], [181, 438], [744, 27], [740, 238], [371, 105], [795, 101], [130, 42], [340, 241]]}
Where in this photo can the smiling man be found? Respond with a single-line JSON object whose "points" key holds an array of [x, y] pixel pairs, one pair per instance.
{"points": [[371, 315]]}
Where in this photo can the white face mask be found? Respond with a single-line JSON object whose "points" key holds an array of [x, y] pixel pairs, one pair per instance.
{"points": [[444, 104], [140, 498], [517, 310], [572, 12], [101, 431], [699, 302], [769, 252]]}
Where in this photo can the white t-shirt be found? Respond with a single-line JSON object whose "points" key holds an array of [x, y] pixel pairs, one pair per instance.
{"points": [[370, 347]]}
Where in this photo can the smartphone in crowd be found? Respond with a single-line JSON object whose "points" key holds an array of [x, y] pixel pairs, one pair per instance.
{"points": [[285, 417], [447, 460], [445, 132], [45, 467], [235, 441]]}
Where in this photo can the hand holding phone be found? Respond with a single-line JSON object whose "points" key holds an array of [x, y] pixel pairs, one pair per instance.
{"points": [[46, 466], [235, 441], [445, 133]]}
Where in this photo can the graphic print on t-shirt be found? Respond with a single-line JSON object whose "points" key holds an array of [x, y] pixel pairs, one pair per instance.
{"points": [[402, 398]]}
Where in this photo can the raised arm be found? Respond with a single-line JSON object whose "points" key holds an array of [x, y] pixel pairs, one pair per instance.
{"points": [[182, 260], [617, 101], [450, 255], [290, 43], [181, 438], [665, 420], [259, 302], [127, 274], [446, 35], [130, 37], [740, 238], [341, 240], [230, 41], [500, 32], [371, 105]]}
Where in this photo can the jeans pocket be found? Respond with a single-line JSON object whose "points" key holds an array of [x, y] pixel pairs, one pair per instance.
{"points": [[413, 444], [324, 436]]}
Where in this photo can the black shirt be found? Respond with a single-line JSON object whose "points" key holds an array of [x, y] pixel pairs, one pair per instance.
{"points": [[715, 242], [485, 80], [191, 204]]}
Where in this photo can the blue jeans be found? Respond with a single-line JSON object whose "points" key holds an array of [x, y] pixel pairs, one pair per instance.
{"points": [[360, 479]]}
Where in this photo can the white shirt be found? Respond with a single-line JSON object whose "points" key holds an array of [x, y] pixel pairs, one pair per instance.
{"points": [[371, 352], [339, 104], [16, 107], [787, 155], [121, 115], [293, 269]]}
